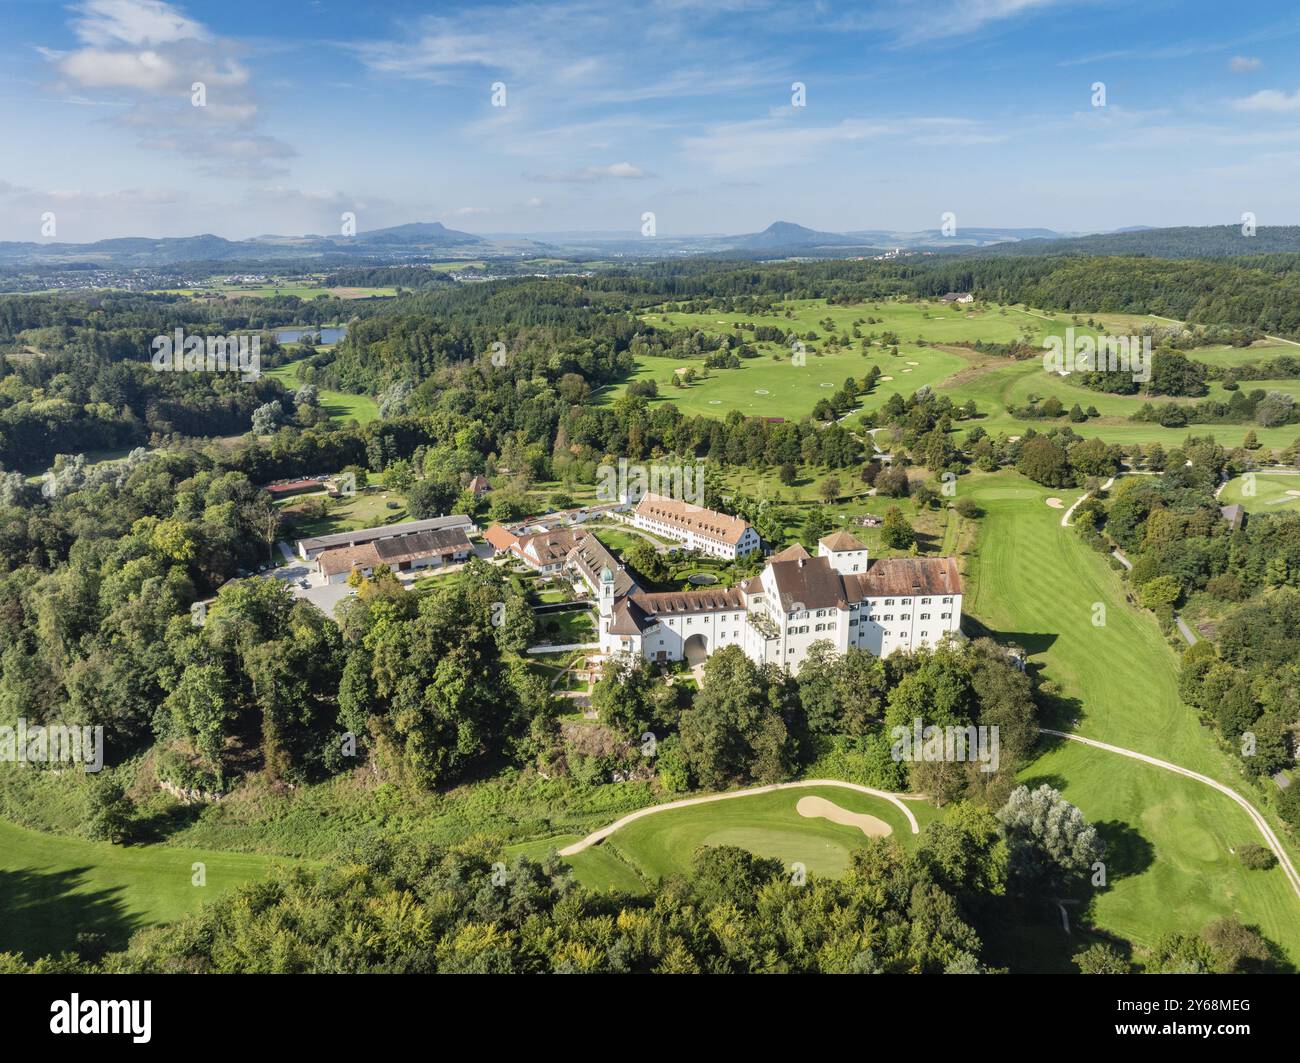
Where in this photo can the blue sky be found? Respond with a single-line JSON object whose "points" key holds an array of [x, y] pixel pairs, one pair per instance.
{"points": [[681, 107]]}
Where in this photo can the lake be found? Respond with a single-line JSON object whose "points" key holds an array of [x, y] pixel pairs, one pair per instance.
{"points": [[327, 335]]}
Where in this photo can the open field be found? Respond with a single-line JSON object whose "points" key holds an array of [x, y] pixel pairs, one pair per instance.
{"points": [[761, 387], [792, 391], [55, 887], [1032, 582], [340, 405], [1269, 492]]}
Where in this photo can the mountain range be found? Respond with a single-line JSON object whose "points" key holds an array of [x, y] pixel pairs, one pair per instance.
{"points": [[782, 239]]}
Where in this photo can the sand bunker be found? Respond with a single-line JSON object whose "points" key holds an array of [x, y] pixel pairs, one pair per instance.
{"points": [[906, 370], [1294, 494], [885, 378], [820, 808], [913, 363], [1056, 503]]}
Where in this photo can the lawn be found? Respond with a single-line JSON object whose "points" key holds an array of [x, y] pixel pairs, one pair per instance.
{"points": [[1264, 492], [598, 868], [765, 824], [1171, 866], [567, 629], [54, 887], [368, 508], [778, 388], [767, 388], [995, 384], [340, 405]]}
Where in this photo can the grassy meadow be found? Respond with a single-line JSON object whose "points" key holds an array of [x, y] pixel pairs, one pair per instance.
{"points": [[928, 333]]}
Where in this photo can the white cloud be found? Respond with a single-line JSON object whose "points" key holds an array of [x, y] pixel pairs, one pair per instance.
{"points": [[1270, 101], [134, 22], [1242, 64], [95, 68], [619, 171], [154, 54]]}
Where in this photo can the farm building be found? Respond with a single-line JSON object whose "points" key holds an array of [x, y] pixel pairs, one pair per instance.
{"points": [[309, 548]]}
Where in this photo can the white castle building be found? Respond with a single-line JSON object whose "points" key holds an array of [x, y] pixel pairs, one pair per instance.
{"points": [[838, 596]]}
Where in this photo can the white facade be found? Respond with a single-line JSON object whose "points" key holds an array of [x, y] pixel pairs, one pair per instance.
{"points": [[769, 618], [689, 526]]}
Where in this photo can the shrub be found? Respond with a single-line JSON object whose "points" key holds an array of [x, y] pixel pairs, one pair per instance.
{"points": [[1256, 857]]}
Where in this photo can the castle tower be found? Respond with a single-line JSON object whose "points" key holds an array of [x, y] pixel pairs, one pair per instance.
{"points": [[606, 594]]}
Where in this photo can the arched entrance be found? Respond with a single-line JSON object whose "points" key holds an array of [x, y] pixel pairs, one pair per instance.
{"points": [[696, 650]]}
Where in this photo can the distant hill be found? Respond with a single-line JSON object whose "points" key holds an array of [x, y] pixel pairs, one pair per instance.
{"points": [[965, 236], [1208, 241], [782, 239], [787, 234], [419, 233], [137, 251]]}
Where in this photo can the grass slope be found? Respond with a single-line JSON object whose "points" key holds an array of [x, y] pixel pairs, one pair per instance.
{"points": [[1170, 865], [55, 887]]}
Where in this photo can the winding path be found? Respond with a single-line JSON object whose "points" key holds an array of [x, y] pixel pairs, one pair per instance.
{"points": [[1065, 517], [604, 832], [1284, 861]]}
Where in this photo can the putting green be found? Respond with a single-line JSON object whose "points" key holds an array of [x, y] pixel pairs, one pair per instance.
{"points": [[767, 824], [1263, 492]]}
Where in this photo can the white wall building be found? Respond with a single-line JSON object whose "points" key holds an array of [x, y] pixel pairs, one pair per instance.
{"points": [[839, 597], [696, 528]]}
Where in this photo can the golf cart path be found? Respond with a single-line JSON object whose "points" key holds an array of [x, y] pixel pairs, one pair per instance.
{"points": [[604, 832], [1065, 517], [1284, 861]]}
